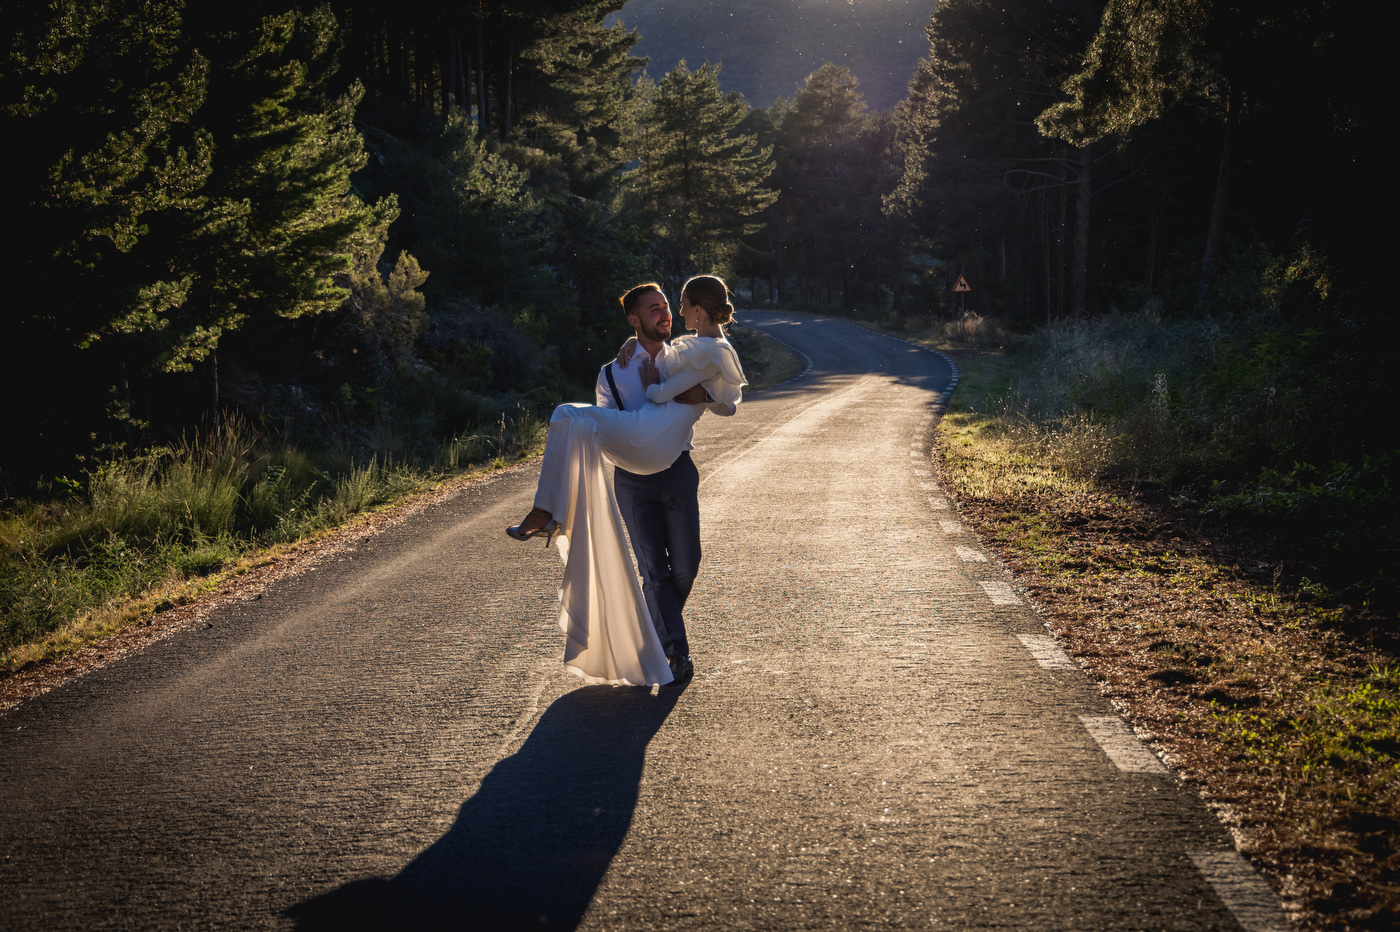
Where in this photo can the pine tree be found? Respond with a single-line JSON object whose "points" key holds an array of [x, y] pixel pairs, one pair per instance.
{"points": [[475, 221], [828, 213], [700, 180], [977, 174], [573, 104], [275, 239], [99, 102]]}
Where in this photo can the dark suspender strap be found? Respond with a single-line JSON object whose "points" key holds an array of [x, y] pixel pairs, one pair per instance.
{"points": [[617, 396]]}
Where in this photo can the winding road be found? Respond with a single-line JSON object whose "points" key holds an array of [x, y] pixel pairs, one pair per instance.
{"points": [[879, 732]]}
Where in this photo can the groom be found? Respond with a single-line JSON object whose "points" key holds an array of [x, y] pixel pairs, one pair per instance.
{"points": [[662, 511]]}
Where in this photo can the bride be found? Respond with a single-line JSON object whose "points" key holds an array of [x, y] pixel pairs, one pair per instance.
{"points": [[611, 638]]}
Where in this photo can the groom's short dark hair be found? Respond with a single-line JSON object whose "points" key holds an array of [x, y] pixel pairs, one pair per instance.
{"points": [[633, 297]]}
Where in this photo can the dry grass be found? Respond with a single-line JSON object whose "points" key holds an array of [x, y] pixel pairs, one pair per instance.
{"points": [[142, 535], [1286, 723], [766, 361], [970, 332]]}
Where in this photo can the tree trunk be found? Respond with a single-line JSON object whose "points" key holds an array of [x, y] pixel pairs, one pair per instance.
{"points": [[1083, 191], [1043, 228], [483, 106], [1215, 235], [421, 95], [1153, 225], [126, 421], [399, 52], [506, 101], [449, 77], [213, 375], [468, 81], [782, 277], [1063, 194], [464, 72]]}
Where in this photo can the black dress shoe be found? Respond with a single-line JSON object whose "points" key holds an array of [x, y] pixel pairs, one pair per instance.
{"points": [[681, 668]]}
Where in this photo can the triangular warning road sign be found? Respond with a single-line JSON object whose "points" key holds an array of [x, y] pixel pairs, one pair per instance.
{"points": [[961, 285]]}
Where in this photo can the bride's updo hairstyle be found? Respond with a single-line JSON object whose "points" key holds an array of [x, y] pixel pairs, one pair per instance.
{"points": [[711, 293]]}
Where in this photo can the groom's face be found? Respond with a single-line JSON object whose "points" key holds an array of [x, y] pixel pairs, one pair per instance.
{"points": [[653, 317]]}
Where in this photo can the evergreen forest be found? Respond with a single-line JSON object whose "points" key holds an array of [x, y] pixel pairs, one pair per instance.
{"points": [[377, 231]]}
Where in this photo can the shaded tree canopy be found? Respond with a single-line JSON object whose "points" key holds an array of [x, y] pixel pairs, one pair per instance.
{"points": [[186, 174], [826, 229], [980, 183], [1262, 79], [699, 178]]}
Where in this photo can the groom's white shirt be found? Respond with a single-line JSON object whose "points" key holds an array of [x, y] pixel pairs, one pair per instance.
{"points": [[634, 394]]}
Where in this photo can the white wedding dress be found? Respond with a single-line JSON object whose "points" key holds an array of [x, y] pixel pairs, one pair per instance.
{"points": [[610, 635]]}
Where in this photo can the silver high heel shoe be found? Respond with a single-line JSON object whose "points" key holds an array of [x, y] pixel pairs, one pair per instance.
{"points": [[548, 531]]}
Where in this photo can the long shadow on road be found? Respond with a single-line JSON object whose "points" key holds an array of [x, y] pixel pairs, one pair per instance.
{"points": [[530, 848]]}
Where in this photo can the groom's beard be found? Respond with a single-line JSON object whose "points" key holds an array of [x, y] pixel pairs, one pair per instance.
{"points": [[654, 333]]}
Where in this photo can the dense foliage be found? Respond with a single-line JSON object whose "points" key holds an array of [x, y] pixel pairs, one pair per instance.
{"points": [[1175, 192], [181, 178]]}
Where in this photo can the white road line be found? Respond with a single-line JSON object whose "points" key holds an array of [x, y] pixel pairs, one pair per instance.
{"points": [[922, 472], [1121, 745], [1046, 652], [1000, 593], [969, 555], [929, 486], [950, 527], [938, 504], [916, 452], [1242, 890]]}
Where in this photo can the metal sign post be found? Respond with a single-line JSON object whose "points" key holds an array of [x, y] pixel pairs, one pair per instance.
{"points": [[962, 289]]}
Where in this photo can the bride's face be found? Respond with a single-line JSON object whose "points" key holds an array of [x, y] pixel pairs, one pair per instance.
{"points": [[691, 313]]}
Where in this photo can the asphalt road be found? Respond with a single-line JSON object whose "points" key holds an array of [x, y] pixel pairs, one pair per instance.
{"points": [[878, 733]]}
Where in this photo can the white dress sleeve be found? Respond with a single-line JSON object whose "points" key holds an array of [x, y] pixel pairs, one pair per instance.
{"points": [[695, 361]]}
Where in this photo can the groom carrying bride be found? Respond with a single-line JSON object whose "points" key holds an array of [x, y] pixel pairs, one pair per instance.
{"points": [[618, 632], [661, 510]]}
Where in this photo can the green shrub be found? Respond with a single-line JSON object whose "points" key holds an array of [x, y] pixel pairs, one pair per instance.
{"points": [[191, 509], [1269, 412], [1351, 509]]}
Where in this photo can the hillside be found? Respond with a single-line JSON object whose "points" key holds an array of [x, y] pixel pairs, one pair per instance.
{"points": [[768, 47]]}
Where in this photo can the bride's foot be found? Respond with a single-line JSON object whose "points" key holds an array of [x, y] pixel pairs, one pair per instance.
{"points": [[537, 522]]}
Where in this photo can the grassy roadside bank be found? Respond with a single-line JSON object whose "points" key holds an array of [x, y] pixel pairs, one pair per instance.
{"points": [[766, 361], [1286, 719], [137, 536]]}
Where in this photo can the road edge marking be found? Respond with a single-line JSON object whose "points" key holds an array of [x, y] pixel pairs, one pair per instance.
{"points": [[1245, 894], [1117, 740], [1047, 652]]}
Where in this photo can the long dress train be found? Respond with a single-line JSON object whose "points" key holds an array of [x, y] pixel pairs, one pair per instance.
{"points": [[610, 636]]}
